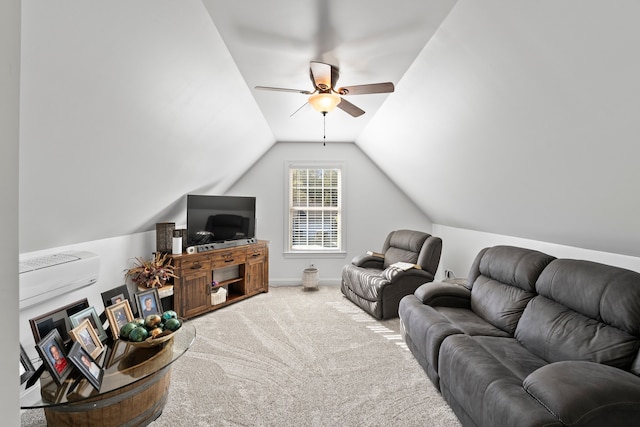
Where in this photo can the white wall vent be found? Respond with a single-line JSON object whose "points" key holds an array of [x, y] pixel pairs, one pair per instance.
{"points": [[48, 276]]}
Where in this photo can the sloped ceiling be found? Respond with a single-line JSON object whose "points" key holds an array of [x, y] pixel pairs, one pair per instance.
{"points": [[522, 118], [125, 108], [272, 42], [516, 118]]}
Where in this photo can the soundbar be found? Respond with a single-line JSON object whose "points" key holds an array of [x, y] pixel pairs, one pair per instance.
{"points": [[220, 245]]}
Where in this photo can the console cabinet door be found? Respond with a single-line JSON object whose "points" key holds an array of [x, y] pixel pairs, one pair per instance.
{"points": [[255, 277], [195, 291], [256, 269]]}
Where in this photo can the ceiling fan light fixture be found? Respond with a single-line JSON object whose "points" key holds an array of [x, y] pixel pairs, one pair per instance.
{"points": [[324, 102]]}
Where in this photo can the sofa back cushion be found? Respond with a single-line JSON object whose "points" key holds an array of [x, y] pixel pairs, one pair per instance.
{"points": [[502, 281], [404, 246], [584, 311]]}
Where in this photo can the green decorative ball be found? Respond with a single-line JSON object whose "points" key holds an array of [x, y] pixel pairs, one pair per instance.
{"points": [[172, 324], [138, 334], [126, 329], [169, 314]]}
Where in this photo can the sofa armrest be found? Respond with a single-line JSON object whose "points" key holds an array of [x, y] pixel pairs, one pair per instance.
{"points": [[368, 261], [414, 274], [444, 294], [586, 393]]}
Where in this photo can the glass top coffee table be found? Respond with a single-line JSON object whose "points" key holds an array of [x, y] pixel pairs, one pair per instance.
{"points": [[133, 391]]}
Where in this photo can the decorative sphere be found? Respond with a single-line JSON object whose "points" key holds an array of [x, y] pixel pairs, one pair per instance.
{"points": [[138, 321], [169, 314], [126, 329], [138, 334], [152, 321], [172, 324]]}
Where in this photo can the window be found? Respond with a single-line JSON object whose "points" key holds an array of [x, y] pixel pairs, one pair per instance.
{"points": [[315, 208]]}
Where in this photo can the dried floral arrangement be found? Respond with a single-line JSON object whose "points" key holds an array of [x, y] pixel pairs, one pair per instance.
{"points": [[152, 273]]}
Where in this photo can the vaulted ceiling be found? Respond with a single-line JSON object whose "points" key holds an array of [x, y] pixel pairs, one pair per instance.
{"points": [[273, 42], [517, 118]]}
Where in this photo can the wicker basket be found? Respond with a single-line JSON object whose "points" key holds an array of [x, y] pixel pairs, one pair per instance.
{"points": [[310, 277], [218, 296]]}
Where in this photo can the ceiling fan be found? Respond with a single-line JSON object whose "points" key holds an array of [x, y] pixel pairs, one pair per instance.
{"points": [[325, 96]]}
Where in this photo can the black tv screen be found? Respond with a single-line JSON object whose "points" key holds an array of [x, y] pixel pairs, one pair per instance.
{"points": [[212, 219]]}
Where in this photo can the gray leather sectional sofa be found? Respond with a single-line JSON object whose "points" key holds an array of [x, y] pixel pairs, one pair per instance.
{"points": [[531, 340]]}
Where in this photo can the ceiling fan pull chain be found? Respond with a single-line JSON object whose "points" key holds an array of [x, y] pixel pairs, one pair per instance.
{"points": [[324, 128]]}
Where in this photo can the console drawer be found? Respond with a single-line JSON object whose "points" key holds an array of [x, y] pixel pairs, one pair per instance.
{"points": [[256, 253], [228, 257], [194, 264]]}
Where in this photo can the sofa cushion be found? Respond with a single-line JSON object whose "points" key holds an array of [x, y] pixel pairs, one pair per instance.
{"points": [[585, 311], [365, 282], [602, 292], [373, 307], [403, 246], [511, 265], [498, 303], [502, 281], [555, 332], [469, 322], [483, 373], [586, 393]]}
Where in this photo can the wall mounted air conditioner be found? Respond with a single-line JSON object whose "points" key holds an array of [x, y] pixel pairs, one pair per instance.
{"points": [[46, 277]]}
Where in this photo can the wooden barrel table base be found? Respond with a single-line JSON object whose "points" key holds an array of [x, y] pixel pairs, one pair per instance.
{"points": [[137, 404]]}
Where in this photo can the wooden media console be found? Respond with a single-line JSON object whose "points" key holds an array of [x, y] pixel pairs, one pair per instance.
{"points": [[242, 271]]}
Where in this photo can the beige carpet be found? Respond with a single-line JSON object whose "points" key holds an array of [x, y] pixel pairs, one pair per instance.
{"points": [[297, 358]]}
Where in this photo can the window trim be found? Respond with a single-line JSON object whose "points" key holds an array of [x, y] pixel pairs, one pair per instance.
{"points": [[339, 252]]}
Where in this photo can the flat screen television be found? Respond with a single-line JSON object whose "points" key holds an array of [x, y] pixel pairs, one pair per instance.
{"points": [[212, 219]]}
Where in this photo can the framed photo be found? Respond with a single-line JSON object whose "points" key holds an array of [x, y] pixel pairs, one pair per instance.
{"points": [[91, 315], [86, 365], [26, 367], [54, 356], [56, 319], [118, 315], [148, 302], [119, 349], [86, 335], [116, 295]]}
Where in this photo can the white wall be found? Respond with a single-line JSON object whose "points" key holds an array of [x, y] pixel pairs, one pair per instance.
{"points": [[460, 247], [373, 206], [9, 135]]}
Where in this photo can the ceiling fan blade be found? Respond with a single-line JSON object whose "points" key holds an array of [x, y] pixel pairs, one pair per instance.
{"points": [[348, 107], [280, 89], [322, 75], [364, 89], [303, 105]]}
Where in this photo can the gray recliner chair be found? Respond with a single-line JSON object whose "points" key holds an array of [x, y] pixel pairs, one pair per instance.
{"points": [[376, 283]]}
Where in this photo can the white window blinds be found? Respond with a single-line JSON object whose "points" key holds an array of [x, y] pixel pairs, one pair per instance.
{"points": [[315, 209]]}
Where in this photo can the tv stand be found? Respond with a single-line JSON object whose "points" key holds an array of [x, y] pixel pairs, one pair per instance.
{"points": [[242, 269]]}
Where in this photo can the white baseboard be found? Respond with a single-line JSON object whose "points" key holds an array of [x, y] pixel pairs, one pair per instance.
{"points": [[298, 282]]}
